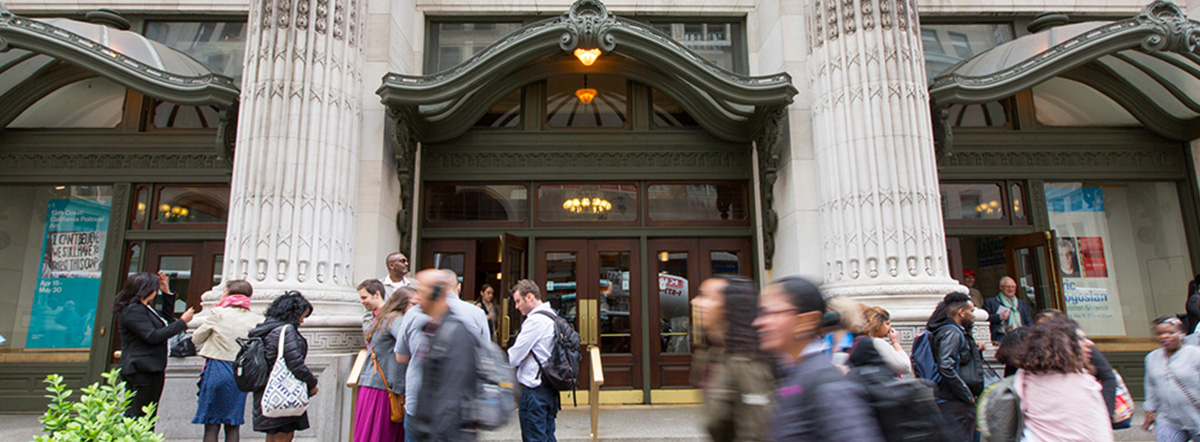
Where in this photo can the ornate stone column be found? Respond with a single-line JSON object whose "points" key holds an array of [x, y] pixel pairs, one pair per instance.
{"points": [[291, 220], [293, 194], [883, 241]]}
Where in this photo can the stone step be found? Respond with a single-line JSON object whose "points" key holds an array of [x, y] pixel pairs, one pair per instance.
{"points": [[674, 423]]}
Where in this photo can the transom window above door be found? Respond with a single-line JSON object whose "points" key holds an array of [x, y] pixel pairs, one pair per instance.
{"points": [[564, 204]]}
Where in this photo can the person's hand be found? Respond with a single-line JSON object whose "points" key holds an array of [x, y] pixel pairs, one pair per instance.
{"points": [[187, 316], [981, 345], [164, 283], [893, 336], [312, 391], [1148, 422], [1004, 315]]}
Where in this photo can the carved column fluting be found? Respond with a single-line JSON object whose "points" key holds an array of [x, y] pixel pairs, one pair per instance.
{"points": [[883, 240], [292, 204]]}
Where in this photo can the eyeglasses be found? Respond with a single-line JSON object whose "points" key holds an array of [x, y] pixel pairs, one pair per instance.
{"points": [[768, 312]]}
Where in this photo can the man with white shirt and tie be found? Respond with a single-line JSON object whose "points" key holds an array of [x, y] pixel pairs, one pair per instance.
{"points": [[539, 403]]}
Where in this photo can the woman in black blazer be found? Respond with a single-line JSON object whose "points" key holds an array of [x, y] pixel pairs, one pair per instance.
{"points": [[144, 334]]}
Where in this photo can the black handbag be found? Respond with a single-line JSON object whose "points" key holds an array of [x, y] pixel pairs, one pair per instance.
{"points": [[181, 346]]}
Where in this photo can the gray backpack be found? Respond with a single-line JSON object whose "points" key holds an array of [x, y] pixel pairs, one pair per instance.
{"points": [[999, 415], [495, 400]]}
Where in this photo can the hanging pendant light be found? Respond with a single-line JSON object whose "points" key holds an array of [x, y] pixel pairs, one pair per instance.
{"points": [[587, 56], [586, 94]]}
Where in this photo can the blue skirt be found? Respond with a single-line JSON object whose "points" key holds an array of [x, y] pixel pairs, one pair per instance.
{"points": [[220, 400]]}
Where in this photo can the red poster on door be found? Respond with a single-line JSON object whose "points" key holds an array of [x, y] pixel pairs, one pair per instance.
{"points": [[1091, 251]]}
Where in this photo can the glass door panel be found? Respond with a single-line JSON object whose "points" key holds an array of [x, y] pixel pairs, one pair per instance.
{"points": [[512, 269], [457, 256], [613, 272], [179, 270], [594, 285], [562, 282], [1030, 260], [616, 328], [682, 264], [674, 312]]}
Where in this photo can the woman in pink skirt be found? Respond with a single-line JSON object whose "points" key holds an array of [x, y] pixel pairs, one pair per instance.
{"points": [[372, 415]]}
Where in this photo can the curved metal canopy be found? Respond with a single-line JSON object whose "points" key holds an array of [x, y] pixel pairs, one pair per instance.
{"points": [[1149, 64], [445, 105], [38, 57]]}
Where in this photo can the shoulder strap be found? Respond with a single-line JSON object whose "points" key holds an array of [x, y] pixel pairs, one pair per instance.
{"points": [[1182, 388], [379, 370], [282, 331], [546, 313]]}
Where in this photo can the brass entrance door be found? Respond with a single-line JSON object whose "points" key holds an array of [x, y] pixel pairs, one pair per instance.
{"points": [[595, 285], [1031, 260], [681, 265]]}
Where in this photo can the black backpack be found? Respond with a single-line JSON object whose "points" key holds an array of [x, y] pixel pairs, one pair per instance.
{"points": [[905, 408], [250, 370], [561, 371]]}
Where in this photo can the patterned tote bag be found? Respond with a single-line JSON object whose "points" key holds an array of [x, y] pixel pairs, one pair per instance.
{"points": [[284, 396]]}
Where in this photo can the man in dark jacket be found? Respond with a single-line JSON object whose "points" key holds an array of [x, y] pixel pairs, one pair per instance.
{"points": [[959, 364], [1007, 311], [449, 377]]}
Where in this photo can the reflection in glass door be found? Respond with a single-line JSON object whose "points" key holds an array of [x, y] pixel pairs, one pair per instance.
{"points": [[594, 284], [681, 265], [1030, 260]]}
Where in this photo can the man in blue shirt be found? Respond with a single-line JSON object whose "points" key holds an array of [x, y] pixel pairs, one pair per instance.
{"points": [[539, 403], [413, 340]]}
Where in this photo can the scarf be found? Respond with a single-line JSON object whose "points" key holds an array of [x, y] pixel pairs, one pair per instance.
{"points": [[1014, 315], [236, 301]]}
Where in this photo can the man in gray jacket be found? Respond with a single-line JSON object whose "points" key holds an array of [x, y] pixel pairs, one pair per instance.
{"points": [[959, 364]]}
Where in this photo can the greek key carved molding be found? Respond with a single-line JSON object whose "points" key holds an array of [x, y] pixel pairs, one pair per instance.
{"points": [[1132, 159], [333, 340], [34, 161], [584, 160]]}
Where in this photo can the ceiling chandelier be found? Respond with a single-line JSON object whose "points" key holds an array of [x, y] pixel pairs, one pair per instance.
{"points": [[592, 205]]}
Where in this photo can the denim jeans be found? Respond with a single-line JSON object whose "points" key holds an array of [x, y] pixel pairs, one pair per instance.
{"points": [[408, 434], [1168, 433], [539, 408]]}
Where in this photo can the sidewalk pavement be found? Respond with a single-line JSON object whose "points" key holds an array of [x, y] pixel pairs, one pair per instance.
{"points": [[676, 423]]}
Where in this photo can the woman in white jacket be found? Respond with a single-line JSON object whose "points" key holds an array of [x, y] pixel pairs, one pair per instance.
{"points": [[878, 327], [220, 402]]}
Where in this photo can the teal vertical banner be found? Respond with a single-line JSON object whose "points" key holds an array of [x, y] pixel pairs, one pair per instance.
{"points": [[68, 287]]}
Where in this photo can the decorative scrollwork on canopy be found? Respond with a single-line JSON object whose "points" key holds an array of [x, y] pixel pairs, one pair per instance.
{"points": [[404, 147], [1179, 33], [588, 24]]}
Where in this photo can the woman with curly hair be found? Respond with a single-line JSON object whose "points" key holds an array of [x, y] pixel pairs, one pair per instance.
{"points": [[1060, 400], [287, 312], [1172, 385]]}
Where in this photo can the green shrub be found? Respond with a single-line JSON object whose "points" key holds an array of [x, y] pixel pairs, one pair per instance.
{"points": [[99, 415]]}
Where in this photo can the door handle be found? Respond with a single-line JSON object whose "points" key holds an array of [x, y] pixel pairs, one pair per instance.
{"points": [[505, 323], [590, 322]]}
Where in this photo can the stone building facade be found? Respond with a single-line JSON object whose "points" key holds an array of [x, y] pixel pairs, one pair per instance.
{"points": [[848, 141]]}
